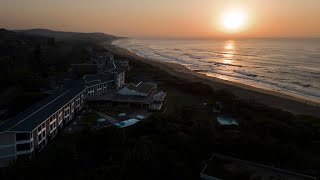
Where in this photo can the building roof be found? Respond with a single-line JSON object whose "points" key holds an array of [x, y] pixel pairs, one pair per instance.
{"points": [[93, 83], [114, 97], [101, 76], [73, 83], [131, 87], [32, 117], [29, 119], [232, 165], [115, 67], [85, 68], [5, 125], [145, 88]]}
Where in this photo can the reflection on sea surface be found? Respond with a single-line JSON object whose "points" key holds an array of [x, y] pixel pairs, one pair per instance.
{"points": [[229, 45], [229, 53]]}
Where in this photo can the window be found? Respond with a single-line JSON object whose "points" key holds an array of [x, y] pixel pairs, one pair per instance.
{"points": [[41, 127], [51, 119], [60, 116]]}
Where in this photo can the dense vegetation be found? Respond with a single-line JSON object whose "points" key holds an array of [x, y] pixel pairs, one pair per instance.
{"points": [[31, 64], [175, 144], [94, 38]]}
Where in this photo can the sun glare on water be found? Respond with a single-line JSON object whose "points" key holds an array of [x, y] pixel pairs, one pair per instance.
{"points": [[233, 20]]}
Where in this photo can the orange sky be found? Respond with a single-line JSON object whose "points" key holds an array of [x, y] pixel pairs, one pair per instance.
{"points": [[165, 18]]}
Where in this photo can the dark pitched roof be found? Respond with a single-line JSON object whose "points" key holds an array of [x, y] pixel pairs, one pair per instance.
{"points": [[36, 119], [145, 88], [131, 87], [115, 67], [101, 76], [35, 115], [141, 87], [252, 169], [32, 117], [6, 125], [114, 97], [92, 83], [111, 65], [73, 83]]}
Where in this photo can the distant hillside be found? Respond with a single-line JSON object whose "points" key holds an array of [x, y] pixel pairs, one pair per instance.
{"points": [[16, 44], [70, 36]]}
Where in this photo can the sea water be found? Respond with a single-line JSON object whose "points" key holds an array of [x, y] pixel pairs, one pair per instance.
{"points": [[288, 66]]}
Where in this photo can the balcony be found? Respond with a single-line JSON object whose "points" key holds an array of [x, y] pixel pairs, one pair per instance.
{"points": [[24, 141], [25, 152]]}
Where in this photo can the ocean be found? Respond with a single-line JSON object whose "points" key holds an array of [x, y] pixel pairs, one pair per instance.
{"points": [[287, 66]]}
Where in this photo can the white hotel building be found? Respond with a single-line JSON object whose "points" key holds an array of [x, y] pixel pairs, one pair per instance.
{"points": [[30, 131]]}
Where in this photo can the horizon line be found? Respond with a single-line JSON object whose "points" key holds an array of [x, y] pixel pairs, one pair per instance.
{"points": [[171, 37]]}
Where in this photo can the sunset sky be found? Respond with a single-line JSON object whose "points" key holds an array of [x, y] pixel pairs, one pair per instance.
{"points": [[165, 18]]}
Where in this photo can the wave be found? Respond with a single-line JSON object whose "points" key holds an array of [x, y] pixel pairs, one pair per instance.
{"points": [[200, 70], [194, 56], [225, 64], [268, 65], [138, 54], [303, 84], [291, 89], [245, 73], [168, 57]]}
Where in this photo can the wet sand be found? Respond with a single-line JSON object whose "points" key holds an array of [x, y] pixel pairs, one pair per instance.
{"points": [[248, 93]]}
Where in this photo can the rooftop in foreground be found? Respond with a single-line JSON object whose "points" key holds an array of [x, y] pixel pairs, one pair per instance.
{"points": [[224, 167]]}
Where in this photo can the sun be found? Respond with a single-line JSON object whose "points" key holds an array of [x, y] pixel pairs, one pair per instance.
{"points": [[234, 20]]}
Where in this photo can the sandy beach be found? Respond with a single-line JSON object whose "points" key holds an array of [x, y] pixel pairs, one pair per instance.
{"points": [[288, 103]]}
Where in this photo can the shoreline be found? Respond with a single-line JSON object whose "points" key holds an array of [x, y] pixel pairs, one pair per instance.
{"points": [[289, 103]]}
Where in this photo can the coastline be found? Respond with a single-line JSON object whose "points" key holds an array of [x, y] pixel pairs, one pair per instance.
{"points": [[288, 103]]}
